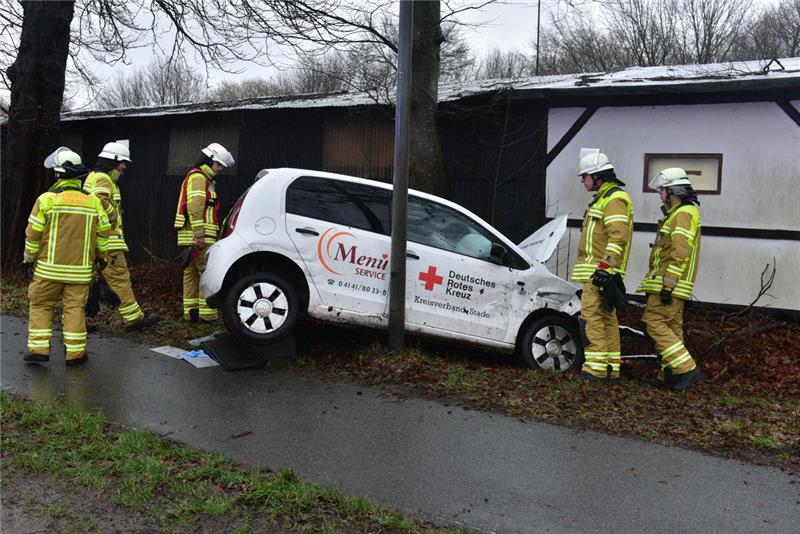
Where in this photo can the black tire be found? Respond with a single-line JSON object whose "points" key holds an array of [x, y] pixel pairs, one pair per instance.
{"points": [[552, 343], [261, 308]]}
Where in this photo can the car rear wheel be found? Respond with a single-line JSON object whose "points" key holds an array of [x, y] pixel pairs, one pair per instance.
{"points": [[552, 343], [261, 308]]}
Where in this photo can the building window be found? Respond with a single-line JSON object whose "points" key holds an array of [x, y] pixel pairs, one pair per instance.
{"points": [[185, 144], [704, 170]]}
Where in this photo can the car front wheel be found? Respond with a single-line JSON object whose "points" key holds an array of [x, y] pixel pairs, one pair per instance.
{"points": [[552, 343], [261, 308]]}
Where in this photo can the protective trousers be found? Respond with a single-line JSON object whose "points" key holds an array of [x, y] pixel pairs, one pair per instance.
{"points": [[602, 329], [191, 290], [43, 295], [664, 324], [118, 279]]}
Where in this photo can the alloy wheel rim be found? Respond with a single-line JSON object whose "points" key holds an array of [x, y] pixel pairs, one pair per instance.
{"points": [[554, 348], [262, 308]]}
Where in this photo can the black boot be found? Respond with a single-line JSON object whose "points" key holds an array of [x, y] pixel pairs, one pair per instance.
{"points": [[683, 381], [77, 361], [583, 376], [36, 358], [147, 321], [194, 315]]}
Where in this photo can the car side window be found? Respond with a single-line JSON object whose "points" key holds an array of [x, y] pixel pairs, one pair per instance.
{"points": [[436, 225], [340, 202]]}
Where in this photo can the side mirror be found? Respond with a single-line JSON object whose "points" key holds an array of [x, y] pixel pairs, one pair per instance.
{"points": [[499, 254]]}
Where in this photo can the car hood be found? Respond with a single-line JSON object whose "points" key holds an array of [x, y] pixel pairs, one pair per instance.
{"points": [[543, 242]]}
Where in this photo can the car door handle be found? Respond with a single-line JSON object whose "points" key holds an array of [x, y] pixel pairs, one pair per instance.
{"points": [[411, 254], [307, 231]]}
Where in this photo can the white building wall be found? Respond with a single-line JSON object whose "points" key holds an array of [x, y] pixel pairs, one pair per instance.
{"points": [[760, 188]]}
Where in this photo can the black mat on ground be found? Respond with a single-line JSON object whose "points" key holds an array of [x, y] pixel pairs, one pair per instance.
{"points": [[235, 355]]}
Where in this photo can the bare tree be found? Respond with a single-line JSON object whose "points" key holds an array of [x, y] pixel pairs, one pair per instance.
{"points": [[579, 45], [504, 64], [650, 32], [250, 88], [710, 29], [776, 33], [160, 83], [645, 29], [320, 74], [37, 89]]}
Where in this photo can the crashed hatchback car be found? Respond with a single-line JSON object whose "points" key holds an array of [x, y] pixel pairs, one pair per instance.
{"points": [[307, 242]]}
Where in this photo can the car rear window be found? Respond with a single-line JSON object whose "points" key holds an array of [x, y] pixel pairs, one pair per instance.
{"points": [[340, 202]]}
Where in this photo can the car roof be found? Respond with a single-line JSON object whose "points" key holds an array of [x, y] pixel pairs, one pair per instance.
{"points": [[286, 174]]}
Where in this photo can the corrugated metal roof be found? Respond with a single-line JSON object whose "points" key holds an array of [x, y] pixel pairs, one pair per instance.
{"points": [[684, 78]]}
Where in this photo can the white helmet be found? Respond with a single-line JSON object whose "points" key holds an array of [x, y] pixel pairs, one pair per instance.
{"points": [[670, 177], [218, 153], [592, 161], [117, 151], [61, 156]]}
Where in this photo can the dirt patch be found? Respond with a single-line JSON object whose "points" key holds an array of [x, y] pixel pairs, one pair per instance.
{"points": [[43, 503]]}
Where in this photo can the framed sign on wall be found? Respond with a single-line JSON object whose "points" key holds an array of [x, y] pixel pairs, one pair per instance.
{"points": [[704, 170]]}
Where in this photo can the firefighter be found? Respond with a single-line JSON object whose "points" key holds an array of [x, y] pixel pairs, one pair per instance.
{"points": [[197, 222], [66, 234], [602, 258], [102, 182], [671, 276]]}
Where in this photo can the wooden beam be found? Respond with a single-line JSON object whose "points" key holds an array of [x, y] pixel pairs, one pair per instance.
{"points": [[571, 133], [790, 110]]}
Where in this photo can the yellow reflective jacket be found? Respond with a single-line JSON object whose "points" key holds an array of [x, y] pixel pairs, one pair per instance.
{"points": [[606, 232], [104, 186], [67, 229], [198, 207], [675, 254]]}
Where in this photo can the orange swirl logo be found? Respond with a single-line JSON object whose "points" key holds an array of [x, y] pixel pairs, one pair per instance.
{"points": [[327, 243]]}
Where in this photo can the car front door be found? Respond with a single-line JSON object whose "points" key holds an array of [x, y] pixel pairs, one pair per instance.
{"points": [[341, 231], [453, 282]]}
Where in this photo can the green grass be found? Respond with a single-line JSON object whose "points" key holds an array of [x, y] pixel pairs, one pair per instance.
{"points": [[174, 484]]}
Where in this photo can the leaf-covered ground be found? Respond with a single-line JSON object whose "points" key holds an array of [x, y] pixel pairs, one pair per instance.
{"points": [[747, 408]]}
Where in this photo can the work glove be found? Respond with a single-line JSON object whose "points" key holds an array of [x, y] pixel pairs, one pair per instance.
{"points": [[27, 270], [101, 264], [601, 276], [666, 296], [200, 243]]}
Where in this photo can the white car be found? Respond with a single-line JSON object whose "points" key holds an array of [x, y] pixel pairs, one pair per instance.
{"points": [[300, 241]]}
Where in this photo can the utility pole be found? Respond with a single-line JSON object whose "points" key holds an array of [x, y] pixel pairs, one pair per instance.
{"points": [[397, 269], [538, 26]]}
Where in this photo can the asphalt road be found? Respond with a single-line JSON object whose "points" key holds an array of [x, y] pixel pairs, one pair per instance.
{"points": [[487, 472]]}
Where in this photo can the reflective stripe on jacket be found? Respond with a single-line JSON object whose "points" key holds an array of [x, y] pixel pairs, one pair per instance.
{"points": [[67, 229], [606, 232], [675, 254], [198, 200], [104, 187]]}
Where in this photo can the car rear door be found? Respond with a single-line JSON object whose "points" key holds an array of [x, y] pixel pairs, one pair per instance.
{"points": [[341, 231]]}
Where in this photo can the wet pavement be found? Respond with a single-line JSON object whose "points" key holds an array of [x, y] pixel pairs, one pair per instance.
{"points": [[487, 472]]}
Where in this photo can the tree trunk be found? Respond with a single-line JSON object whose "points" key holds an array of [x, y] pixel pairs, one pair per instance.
{"points": [[426, 167], [37, 89]]}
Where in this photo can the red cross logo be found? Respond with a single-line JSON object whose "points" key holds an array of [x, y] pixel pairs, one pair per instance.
{"points": [[430, 278]]}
